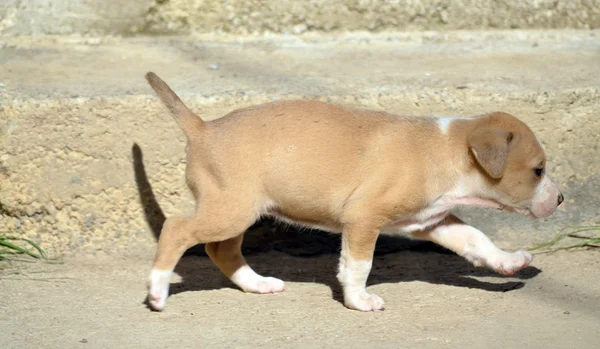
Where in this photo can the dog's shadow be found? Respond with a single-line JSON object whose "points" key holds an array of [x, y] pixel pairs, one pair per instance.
{"points": [[312, 256]]}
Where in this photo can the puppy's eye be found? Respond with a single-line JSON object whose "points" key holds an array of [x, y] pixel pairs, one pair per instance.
{"points": [[539, 171]]}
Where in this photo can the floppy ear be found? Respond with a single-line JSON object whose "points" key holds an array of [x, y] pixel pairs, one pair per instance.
{"points": [[490, 148]]}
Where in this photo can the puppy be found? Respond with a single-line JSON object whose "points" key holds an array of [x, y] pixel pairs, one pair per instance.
{"points": [[352, 171]]}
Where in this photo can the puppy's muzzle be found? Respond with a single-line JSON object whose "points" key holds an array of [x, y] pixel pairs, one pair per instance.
{"points": [[547, 199]]}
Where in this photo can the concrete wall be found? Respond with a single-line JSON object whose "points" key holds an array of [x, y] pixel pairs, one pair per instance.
{"points": [[90, 160], [26, 17], [38, 17]]}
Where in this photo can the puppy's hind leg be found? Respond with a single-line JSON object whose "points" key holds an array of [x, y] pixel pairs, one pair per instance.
{"points": [[178, 234], [474, 246], [175, 238], [227, 255]]}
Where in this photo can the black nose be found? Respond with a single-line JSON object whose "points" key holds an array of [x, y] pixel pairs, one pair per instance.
{"points": [[561, 198]]}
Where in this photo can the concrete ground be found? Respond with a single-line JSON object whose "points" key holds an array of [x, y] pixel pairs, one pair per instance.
{"points": [[433, 300], [90, 165]]}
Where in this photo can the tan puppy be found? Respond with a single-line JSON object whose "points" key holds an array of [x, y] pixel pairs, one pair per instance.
{"points": [[352, 171]]}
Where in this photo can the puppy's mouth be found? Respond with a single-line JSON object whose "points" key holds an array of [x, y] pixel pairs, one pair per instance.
{"points": [[520, 210], [491, 203]]}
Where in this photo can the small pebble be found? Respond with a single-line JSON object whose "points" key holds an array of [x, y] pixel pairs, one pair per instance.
{"points": [[214, 67]]}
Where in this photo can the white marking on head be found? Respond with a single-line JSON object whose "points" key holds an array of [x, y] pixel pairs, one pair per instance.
{"points": [[541, 192], [545, 200], [539, 141], [444, 122]]}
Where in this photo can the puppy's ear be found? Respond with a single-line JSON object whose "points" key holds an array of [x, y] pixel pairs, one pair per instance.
{"points": [[490, 148]]}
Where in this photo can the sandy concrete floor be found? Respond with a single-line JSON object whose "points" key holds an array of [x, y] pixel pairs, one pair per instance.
{"points": [[434, 300]]}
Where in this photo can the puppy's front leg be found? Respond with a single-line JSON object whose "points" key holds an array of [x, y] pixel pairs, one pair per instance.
{"points": [[358, 244], [473, 245]]}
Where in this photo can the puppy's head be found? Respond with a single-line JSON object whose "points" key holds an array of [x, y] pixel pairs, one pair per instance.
{"points": [[511, 159]]}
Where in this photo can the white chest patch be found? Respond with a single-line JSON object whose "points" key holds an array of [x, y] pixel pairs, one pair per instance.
{"points": [[423, 219], [439, 209]]}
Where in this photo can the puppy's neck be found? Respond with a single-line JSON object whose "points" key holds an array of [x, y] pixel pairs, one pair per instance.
{"points": [[460, 182], [469, 190]]}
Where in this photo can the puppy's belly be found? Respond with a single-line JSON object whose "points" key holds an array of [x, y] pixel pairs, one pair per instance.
{"points": [[321, 224], [416, 223], [420, 221]]}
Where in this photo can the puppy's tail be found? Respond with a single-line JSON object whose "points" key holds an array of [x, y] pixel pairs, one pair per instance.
{"points": [[189, 122]]}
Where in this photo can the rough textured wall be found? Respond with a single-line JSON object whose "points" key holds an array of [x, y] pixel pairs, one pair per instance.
{"points": [[73, 110], [243, 16], [288, 16], [35, 17]]}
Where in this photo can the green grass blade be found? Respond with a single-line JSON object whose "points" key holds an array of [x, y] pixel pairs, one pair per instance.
{"points": [[14, 247], [549, 243], [587, 240], [580, 230], [587, 227], [36, 246], [18, 248], [590, 243]]}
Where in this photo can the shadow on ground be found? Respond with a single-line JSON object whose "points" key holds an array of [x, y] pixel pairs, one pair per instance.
{"points": [[312, 255]]}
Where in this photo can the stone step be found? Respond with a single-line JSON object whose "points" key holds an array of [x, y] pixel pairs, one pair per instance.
{"points": [[72, 111], [26, 17]]}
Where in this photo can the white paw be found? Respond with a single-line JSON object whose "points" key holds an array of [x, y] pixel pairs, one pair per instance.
{"points": [[510, 263], [249, 281], [158, 288], [266, 285], [364, 301]]}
